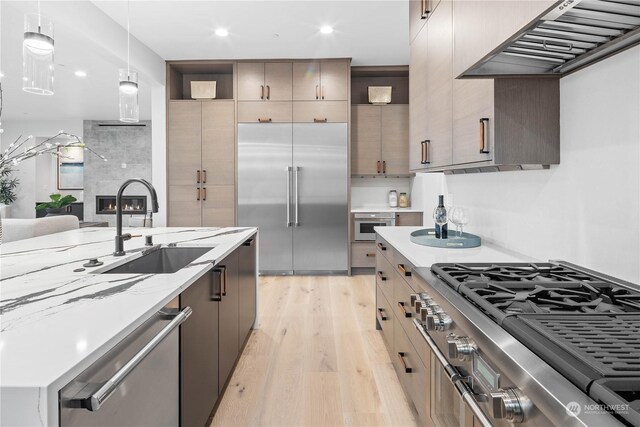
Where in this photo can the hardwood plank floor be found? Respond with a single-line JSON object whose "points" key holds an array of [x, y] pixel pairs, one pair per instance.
{"points": [[316, 359]]}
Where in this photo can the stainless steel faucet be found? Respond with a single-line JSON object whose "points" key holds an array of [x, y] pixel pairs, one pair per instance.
{"points": [[120, 238]]}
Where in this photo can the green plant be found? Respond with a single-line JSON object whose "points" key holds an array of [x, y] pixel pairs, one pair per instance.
{"points": [[7, 186], [57, 202]]}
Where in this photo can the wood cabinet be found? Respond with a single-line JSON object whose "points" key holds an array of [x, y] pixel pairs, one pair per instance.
{"points": [[418, 102], [380, 139], [417, 17], [201, 163], [265, 81], [247, 288], [409, 219], [321, 80], [320, 112], [481, 26], [228, 332], [363, 255]]}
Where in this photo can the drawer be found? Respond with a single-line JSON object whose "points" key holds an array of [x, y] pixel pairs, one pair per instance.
{"points": [[384, 248], [384, 275], [413, 374], [412, 219], [384, 314], [405, 313], [320, 112], [403, 267], [363, 254], [274, 111]]}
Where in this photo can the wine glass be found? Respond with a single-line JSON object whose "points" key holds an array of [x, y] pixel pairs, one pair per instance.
{"points": [[440, 217], [460, 217]]}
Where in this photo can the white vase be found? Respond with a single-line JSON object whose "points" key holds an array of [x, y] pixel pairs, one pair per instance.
{"points": [[5, 211]]}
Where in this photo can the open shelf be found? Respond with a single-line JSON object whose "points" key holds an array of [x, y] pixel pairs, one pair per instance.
{"points": [[396, 76], [180, 74]]}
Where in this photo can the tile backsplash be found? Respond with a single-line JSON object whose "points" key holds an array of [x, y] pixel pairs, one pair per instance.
{"points": [[374, 191]]}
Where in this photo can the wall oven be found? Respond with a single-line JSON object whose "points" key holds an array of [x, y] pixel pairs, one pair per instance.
{"points": [[364, 224]]}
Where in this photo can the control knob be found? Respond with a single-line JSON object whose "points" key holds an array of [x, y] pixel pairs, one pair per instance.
{"points": [[461, 347], [509, 404], [438, 321]]}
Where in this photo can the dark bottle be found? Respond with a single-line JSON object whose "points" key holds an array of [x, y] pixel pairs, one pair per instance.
{"points": [[441, 212]]}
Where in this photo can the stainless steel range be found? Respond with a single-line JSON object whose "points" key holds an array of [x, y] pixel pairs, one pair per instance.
{"points": [[533, 344]]}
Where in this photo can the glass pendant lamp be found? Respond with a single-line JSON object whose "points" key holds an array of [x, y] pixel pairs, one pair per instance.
{"points": [[37, 54], [128, 89]]}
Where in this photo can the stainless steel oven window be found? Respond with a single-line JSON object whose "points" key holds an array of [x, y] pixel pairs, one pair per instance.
{"points": [[447, 408]]}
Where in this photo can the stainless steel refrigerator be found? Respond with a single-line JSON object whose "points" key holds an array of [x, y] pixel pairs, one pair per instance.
{"points": [[293, 185]]}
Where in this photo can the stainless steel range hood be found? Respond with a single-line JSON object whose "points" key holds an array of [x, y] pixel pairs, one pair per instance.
{"points": [[574, 34]]}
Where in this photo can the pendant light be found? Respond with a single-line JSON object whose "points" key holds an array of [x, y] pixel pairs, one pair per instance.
{"points": [[128, 89], [37, 54]]}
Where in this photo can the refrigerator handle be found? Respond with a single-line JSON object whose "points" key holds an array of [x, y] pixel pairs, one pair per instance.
{"points": [[288, 171], [296, 195]]}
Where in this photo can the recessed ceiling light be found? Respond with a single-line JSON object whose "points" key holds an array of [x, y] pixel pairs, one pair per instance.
{"points": [[326, 29], [222, 32], [1, 75], [80, 73]]}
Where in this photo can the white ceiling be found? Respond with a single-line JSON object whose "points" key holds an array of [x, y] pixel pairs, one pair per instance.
{"points": [[371, 32]]}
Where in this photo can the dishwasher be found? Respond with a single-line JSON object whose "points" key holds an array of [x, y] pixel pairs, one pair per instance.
{"points": [[136, 383]]}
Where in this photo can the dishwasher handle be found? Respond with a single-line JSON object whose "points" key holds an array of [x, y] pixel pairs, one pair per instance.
{"points": [[97, 399]]}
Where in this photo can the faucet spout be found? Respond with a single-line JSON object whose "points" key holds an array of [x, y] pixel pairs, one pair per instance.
{"points": [[120, 238]]}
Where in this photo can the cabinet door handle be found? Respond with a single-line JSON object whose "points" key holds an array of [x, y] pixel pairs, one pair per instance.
{"points": [[426, 145], [370, 255], [261, 91], [397, 219], [406, 367], [382, 276], [268, 92], [382, 315], [404, 309], [224, 282], [198, 177], [382, 247], [198, 196], [384, 166], [204, 193], [317, 91], [264, 120], [403, 270], [423, 9], [378, 167], [204, 176], [216, 291], [322, 92], [249, 242], [319, 120], [484, 143]]}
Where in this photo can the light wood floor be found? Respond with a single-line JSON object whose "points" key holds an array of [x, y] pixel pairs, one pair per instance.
{"points": [[316, 360]]}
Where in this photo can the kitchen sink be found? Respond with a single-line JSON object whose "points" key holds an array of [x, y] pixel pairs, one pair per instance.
{"points": [[158, 260]]}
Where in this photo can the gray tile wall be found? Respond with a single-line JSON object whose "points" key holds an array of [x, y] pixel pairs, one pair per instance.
{"points": [[128, 146]]}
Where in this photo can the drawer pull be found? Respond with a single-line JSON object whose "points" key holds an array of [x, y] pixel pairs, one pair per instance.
{"points": [[382, 276], [407, 369], [315, 120], [370, 255], [404, 309], [382, 247], [403, 270], [264, 119], [382, 315]]}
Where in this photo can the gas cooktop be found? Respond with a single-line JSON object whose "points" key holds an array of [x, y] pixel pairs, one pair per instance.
{"points": [[584, 324]]}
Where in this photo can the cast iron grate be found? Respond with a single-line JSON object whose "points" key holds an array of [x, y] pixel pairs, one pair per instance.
{"points": [[609, 344]]}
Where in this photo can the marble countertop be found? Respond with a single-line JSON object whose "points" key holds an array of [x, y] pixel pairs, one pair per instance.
{"points": [[382, 208], [425, 256], [55, 322]]}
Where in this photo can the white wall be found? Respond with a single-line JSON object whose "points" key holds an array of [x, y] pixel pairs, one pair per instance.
{"points": [[587, 209]]}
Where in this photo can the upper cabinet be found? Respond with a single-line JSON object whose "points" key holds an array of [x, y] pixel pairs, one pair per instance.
{"points": [[481, 26], [265, 81], [475, 124], [321, 80]]}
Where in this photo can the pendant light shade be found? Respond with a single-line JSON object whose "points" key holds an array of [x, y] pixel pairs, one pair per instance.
{"points": [[128, 89], [128, 92], [37, 55]]}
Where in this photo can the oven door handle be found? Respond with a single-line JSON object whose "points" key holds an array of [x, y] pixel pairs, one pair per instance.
{"points": [[458, 382]]}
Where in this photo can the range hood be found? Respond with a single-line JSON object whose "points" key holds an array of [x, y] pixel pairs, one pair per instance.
{"points": [[572, 35]]}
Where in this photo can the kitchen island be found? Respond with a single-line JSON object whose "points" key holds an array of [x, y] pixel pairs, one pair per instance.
{"points": [[56, 320]]}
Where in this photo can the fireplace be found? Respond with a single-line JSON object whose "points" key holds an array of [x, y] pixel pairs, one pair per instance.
{"points": [[131, 205]]}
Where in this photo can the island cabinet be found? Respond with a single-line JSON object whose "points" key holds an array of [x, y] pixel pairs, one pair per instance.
{"points": [[380, 139], [213, 337], [201, 163]]}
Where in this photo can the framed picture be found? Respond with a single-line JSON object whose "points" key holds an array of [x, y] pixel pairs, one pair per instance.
{"points": [[70, 168]]}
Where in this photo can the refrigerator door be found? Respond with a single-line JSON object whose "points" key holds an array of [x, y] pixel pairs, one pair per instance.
{"points": [[264, 184], [320, 212]]}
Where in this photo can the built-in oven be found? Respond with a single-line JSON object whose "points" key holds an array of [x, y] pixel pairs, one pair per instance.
{"points": [[364, 224]]}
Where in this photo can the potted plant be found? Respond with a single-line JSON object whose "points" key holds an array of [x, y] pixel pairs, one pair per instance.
{"points": [[57, 204], [8, 186]]}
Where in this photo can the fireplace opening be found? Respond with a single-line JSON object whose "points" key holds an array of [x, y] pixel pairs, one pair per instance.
{"points": [[131, 205]]}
